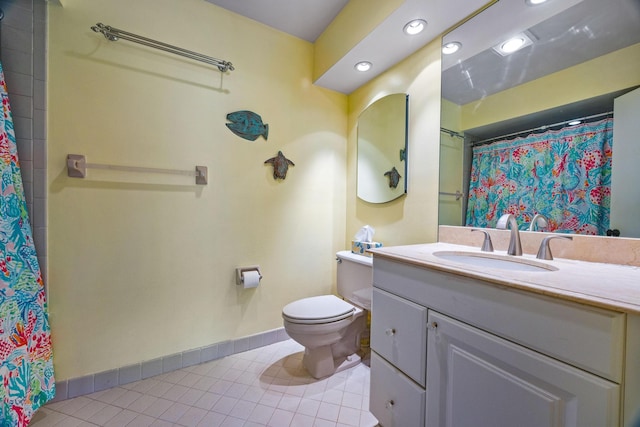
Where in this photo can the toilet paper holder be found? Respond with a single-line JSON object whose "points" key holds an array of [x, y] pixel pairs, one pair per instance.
{"points": [[240, 270]]}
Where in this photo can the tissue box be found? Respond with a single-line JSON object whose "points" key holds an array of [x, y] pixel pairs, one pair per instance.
{"points": [[361, 248]]}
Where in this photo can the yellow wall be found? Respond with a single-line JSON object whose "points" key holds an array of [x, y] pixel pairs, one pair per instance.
{"points": [[608, 73], [142, 266], [414, 217]]}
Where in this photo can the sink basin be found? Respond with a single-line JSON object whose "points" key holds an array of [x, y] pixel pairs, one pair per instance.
{"points": [[488, 260]]}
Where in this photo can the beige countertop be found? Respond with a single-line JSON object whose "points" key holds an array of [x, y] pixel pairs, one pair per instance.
{"points": [[610, 286]]}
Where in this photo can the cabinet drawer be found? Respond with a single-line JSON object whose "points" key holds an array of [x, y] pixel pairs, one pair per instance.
{"points": [[398, 333], [587, 337], [395, 400]]}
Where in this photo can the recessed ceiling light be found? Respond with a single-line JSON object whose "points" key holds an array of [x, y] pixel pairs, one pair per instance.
{"points": [[574, 122], [534, 2], [415, 27], [513, 44], [451, 47], [363, 66]]}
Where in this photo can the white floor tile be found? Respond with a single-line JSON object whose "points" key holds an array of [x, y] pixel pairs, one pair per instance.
{"points": [[141, 421], [242, 409], [352, 400], [301, 420], [280, 418], [122, 419], [126, 399], [158, 407], [261, 414], [105, 415], [174, 412], [89, 410], [192, 417], [207, 400], [259, 388], [349, 416], [319, 422], [191, 396], [309, 407], [232, 422], [191, 379], [212, 419], [162, 423], [175, 392], [225, 404], [333, 396], [289, 403], [271, 398], [328, 411]]}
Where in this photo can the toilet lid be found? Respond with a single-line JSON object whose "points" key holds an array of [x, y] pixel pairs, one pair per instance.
{"points": [[320, 309]]}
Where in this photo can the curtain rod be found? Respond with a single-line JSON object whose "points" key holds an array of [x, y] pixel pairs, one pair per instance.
{"points": [[452, 133], [543, 127], [115, 34]]}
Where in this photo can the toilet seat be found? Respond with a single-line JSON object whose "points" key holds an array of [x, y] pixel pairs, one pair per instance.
{"points": [[317, 310]]}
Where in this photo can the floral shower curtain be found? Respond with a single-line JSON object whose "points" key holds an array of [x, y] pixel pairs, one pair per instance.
{"points": [[26, 361], [564, 175]]}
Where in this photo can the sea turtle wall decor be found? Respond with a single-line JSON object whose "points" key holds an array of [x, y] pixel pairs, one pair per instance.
{"points": [[394, 177], [247, 125], [280, 165]]}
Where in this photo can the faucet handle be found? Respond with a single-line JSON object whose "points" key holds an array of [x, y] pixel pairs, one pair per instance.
{"points": [[487, 246], [545, 250]]}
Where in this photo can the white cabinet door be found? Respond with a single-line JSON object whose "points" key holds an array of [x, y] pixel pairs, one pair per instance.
{"points": [[477, 379]]}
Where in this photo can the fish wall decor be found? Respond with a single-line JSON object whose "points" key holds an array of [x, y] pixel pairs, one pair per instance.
{"points": [[280, 165], [247, 125]]}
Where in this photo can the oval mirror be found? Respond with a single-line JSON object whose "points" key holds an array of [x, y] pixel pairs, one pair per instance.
{"points": [[382, 149]]}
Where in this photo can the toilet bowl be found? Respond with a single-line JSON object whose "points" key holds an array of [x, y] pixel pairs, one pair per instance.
{"points": [[329, 327]]}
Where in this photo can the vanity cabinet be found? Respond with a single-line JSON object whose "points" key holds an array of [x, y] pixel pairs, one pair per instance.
{"points": [[451, 350], [476, 378]]}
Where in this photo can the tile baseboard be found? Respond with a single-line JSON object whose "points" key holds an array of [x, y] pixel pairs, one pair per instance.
{"points": [[88, 384]]}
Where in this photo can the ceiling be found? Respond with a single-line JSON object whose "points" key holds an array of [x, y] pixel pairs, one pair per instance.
{"points": [[566, 32], [305, 19], [384, 47]]}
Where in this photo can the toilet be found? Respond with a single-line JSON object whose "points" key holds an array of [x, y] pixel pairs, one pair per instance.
{"points": [[329, 327]]}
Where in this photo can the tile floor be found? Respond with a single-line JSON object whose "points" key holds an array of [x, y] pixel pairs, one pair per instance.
{"points": [[263, 387]]}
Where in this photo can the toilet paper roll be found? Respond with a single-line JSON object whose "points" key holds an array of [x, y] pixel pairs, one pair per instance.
{"points": [[250, 279]]}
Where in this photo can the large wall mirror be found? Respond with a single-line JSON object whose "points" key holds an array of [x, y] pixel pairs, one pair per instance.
{"points": [[382, 149], [579, 59]]}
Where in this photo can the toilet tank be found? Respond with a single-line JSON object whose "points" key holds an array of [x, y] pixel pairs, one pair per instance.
{"points": [[355, 278]]}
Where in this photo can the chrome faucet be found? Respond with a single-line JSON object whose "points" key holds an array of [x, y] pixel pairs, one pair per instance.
{"points": [[515, 248], [487, 246], [540, 221], [545, 250]]}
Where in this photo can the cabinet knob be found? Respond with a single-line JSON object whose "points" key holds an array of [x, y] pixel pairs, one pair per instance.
{"points": [[390, 331], [389, 404], [433, 325]]}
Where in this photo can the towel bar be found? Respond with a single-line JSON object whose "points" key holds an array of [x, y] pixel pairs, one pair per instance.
{"points": [[77, 168]]}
